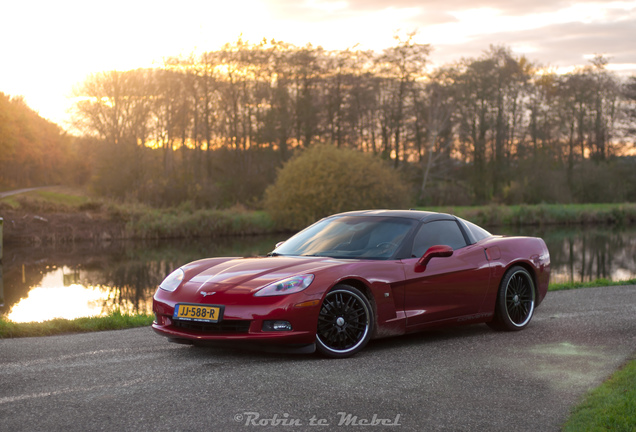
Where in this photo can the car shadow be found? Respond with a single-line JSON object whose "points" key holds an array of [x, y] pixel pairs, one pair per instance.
{"points": [[247, 353], [427, 337]]}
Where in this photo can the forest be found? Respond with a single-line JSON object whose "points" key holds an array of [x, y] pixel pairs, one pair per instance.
{"points": [[213, 129]]}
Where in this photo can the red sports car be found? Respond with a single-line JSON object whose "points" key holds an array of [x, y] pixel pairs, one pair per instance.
{"points": [[356, 276]]}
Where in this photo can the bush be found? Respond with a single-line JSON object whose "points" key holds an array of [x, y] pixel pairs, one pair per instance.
{"points": [[323, 180]]}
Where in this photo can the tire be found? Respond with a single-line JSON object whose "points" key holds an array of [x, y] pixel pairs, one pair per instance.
{"points": [[345, 322], [515, 302]]}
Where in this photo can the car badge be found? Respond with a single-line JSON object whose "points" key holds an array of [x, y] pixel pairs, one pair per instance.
{"points": [[206, 293]]}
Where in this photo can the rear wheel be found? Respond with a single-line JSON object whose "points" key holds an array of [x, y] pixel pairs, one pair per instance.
{"points": [[345, 322], [515, 300]]}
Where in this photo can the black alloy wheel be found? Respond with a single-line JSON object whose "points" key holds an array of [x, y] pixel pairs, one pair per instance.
{"points": [[515, 300], [345, 322]]}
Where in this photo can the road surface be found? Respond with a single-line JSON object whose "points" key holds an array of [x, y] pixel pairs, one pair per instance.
{"points": [[461, 379]]}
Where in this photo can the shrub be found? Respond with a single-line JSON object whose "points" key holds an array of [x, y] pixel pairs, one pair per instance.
{"points": [[323, 180]]}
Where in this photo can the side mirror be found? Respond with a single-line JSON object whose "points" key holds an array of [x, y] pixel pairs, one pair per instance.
{"points": [[439, 251]]}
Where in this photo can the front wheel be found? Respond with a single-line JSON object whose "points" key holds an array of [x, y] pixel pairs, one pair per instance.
{"points": [[515, 300], [345, 322]]}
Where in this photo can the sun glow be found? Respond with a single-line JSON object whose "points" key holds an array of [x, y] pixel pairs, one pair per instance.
{"points": [[49, 47], [70, 302], [59, 295]]}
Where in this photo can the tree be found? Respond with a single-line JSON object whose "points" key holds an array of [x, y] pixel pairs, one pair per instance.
{"points": [[434, 108], [628, 95], [400, 66], [323, 180], [33, 151], [489, 128]]}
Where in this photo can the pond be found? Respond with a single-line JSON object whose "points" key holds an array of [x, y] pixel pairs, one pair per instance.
{"points": [[70, 281]]}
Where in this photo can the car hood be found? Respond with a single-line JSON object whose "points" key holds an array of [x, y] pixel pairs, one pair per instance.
{"points": [[248, 275]]}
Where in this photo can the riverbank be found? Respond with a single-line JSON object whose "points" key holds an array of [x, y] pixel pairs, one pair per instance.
{"points": [[114, 321], [59, 215]]}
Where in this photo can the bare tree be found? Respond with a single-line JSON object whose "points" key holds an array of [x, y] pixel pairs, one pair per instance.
{"points": [[400, 66]]}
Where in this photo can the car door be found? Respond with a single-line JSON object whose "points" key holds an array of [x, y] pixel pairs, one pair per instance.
{"points": [[449, 287]]}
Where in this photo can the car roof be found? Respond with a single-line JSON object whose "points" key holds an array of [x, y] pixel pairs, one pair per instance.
{"points": [[419, 215]]}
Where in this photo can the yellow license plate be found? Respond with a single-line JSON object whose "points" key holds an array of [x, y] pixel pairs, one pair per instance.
{"points": [[195, 312]]}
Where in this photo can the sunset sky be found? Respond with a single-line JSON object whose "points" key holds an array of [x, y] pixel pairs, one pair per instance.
{"points": [[46, 47]]}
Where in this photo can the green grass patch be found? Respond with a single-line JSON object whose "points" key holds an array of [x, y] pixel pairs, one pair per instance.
{"points": [[145, 222], [114, 321], [611, 406], [592, 284], [60, 198], [10, 202], [544, 214], [186, 221], [51, 199], [142, 221]]}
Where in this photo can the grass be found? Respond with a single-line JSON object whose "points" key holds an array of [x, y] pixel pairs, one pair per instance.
{"points": [[138, 220], [63, 198], [114, 321], [592, 284], [544, 214], [50, 199], [186, 221], [145, 222], [611, 406]]}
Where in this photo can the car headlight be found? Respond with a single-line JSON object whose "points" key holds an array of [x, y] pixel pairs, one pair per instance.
{"points": [[173, 280], [290, 285]]}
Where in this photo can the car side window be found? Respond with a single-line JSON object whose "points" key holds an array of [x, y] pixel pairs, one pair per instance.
{"points": [[443, 232]]}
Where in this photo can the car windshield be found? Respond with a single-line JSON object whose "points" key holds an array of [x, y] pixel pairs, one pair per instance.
{"points": [[367, 237]]}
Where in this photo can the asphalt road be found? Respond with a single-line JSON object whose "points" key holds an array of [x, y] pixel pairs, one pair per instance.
{"points": [[466, 378]]}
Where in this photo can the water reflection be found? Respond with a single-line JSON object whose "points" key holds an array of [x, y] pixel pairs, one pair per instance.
{"points": [[59, 297], [70, 281], [583, 254], [93, 279]]}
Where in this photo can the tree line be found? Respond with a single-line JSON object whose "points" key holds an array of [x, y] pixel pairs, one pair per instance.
{"points": [[213, 128]]}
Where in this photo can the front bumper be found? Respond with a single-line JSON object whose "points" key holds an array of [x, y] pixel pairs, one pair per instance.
{"points": [[240, 323]]}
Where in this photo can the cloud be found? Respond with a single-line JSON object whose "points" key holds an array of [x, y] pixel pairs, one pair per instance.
{"points": [[431, 11], [554, 32], [68, 39], [560, 45], [557, 33]]}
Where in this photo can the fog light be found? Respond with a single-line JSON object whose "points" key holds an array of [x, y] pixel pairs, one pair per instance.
{"points": [[277, 326]]}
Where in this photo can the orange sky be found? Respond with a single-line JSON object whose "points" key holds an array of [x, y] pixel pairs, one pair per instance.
{"points": [[46, 47]]}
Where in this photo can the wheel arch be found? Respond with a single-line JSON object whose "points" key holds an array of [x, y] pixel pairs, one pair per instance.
{"points": [[364, 289], [529, 268]]}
